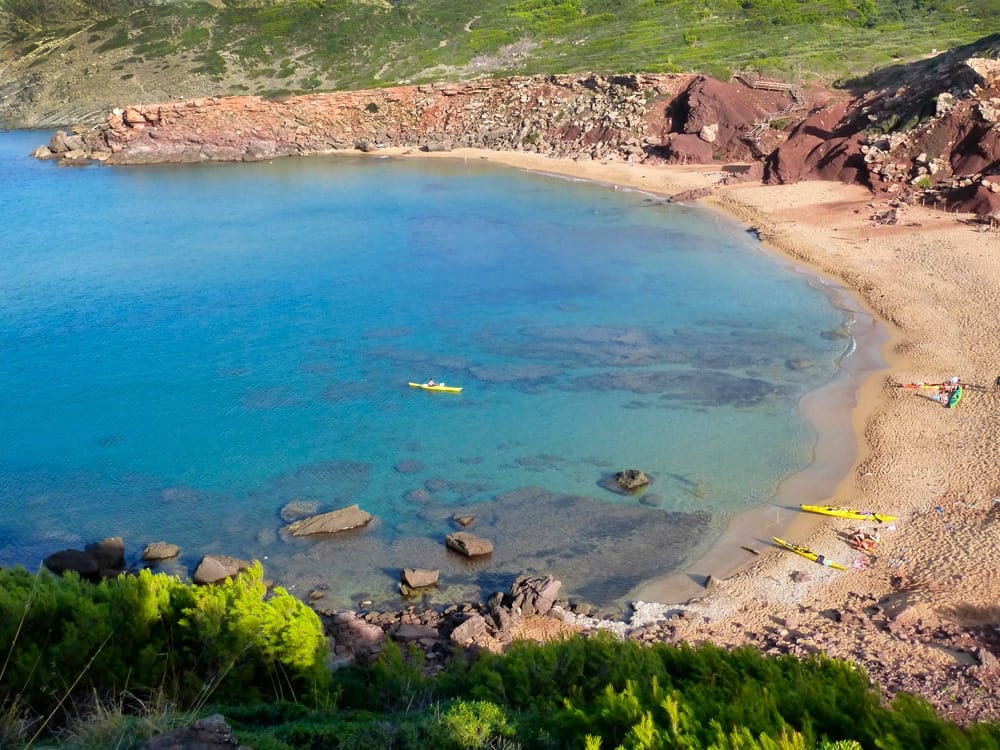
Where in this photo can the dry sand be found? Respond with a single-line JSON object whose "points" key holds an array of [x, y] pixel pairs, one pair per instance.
{"points": [[934, 279]]}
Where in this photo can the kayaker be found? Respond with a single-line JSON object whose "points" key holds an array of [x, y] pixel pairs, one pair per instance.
{"points": [[431, 382]]}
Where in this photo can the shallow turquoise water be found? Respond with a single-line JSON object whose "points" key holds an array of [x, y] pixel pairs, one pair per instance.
{"points": [[188, 349]]}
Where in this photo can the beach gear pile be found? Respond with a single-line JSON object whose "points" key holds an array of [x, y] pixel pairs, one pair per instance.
{"points": [[948, 393], [863, 539]]}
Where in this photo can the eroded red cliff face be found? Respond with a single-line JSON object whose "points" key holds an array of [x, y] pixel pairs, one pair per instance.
{"points": [[635, 117], [929, 131]]}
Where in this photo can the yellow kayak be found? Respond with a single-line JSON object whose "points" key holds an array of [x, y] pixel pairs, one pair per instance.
{"points": [[843, 512], [437, 387], [809, 554]]}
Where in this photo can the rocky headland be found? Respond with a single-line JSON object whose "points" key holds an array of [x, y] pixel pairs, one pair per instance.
{"points": [[925, 132]]}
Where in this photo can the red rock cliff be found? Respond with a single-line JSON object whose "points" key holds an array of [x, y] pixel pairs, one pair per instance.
{"points": [[671, 118]]}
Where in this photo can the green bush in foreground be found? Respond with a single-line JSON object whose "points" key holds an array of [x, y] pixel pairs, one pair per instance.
{"points": [[65, 640], [131, 651], [601, 693]]}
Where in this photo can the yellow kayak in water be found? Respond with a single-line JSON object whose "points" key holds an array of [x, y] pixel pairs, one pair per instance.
{"points": [[809, 554], [436, 387], [843, 512]]}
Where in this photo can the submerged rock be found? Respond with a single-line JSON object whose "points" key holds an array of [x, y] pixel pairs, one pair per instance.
{"points": [[297, 509]]}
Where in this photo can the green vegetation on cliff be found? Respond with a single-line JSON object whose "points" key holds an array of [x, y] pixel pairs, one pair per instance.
{"points": [[272, 46], [81, 665]]}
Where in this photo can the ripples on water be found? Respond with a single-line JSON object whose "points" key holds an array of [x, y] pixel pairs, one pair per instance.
{"points": [[189, 349]]}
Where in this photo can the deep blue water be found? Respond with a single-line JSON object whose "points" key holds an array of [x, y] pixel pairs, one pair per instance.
{"points": [[188, 349]]}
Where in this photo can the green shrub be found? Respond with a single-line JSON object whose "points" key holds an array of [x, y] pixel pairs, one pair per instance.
{"points": [[471, 725], [152, 635]]}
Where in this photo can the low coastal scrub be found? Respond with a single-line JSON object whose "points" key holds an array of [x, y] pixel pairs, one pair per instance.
{"points": [[108, 665], [145, 638], [359, 44]]}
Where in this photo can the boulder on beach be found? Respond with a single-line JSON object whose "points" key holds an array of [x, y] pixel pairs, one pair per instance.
{"points": [[472, 629], [408, 632], [468, 544], [534, 595], [333, 522]]}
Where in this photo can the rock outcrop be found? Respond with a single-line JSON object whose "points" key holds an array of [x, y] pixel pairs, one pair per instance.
{"points": [[210, 733], [418, 578], [103, 559], [75, 560], [468, 544], [334, 522], [631, 479], [625, 117], [216, 568], [925, 132], [155, 551]]}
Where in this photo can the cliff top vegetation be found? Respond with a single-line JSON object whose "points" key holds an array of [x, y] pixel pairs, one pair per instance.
{"points": [[122, 51]]}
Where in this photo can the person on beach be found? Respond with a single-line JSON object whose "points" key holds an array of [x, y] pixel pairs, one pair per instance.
{"points": [[863, 541], [996, 385]]}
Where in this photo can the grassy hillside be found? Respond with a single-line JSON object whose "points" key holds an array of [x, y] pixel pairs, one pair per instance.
{"points": [[269, 46]]}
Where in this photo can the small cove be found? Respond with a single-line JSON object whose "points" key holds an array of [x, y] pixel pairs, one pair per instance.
{"points": [[191, 348]]}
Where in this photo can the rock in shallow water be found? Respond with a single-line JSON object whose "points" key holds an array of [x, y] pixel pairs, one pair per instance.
{"points": [[468, 544], [335, 521], [631, 479], [160, 551]]}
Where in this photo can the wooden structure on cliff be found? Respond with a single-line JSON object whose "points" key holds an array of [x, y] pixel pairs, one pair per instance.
{"points": [[752, 80]]}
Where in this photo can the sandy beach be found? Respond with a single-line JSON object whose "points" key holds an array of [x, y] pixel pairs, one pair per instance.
{"points": [[933, 279]]}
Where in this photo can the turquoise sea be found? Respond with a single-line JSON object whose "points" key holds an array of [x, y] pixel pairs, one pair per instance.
{"points": [[188, 349]]}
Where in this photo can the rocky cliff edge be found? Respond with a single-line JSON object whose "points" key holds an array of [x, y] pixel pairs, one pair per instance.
{"points": [[924, 132]]}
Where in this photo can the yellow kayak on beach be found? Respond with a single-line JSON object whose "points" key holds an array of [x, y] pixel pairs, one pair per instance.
{"points": [[436, 387], [844, 512], [809, 554]]}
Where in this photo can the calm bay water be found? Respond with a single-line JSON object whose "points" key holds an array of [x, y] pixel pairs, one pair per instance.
{"points": [[188, 349]]}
